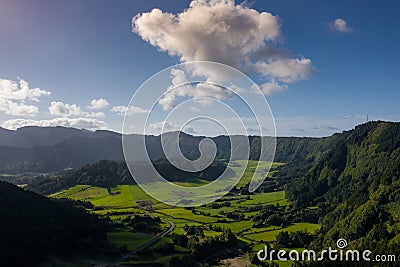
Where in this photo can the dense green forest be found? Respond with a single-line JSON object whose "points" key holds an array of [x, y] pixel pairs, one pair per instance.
{"points": [[355, 181], [34, 227]]}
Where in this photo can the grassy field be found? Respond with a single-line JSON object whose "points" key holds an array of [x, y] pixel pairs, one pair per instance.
{"points": [[146, 259], [181, 213], [216, 212], [251, 167], [277, 197], [270, 232], [179, 224], [237, 226], [129, 239], [119, 197], [71, 192]]}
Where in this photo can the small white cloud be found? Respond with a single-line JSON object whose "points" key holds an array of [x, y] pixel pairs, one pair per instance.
{"points": [[191, 90], [340, 25], [58, 108], [286, 70], [195, 109], [122, 110], [98, 104], [14, 95], [20, 90], [168, 101], [164, 126], [236, 89], [17, 108], [272, 87], [189, 130], [87, 123]]}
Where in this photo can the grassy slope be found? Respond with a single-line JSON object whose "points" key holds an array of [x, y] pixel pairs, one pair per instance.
{"points": [[131, 240], [270, 233], [120, 197]]}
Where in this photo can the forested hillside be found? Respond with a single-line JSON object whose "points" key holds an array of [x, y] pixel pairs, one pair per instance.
{"points": [[355, 180], [34, 227]]}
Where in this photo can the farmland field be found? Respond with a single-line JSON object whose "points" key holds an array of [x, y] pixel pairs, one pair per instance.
{"points": [[131, 240], [270, 234], [266, 198], [119, 197], [181, 213]]}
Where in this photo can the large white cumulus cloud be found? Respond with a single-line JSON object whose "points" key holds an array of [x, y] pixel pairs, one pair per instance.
{"points": [[221, 31]]}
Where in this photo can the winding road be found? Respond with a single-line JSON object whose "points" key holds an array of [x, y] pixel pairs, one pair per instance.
{"points": [[148, 244]]}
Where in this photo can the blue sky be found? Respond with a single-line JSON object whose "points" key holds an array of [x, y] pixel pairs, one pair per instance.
{"points": [[74, 52]]}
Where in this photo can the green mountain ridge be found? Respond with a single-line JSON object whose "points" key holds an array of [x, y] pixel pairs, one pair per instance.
{"points": [[53, 149], [356, 181]]}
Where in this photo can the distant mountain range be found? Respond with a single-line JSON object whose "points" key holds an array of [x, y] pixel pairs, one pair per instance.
{"points": [[33, 136], [52, 149], [36, 149]]}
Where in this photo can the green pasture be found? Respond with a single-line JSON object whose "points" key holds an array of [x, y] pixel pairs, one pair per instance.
{"points": [[181, 213], [270, 235], [131, 240]]}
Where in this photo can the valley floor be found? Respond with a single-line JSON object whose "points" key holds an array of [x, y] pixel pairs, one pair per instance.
{"points": [[144, 246]]}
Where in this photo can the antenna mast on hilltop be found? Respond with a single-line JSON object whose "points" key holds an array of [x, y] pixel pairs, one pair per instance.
{"points": [[367, 118]]}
